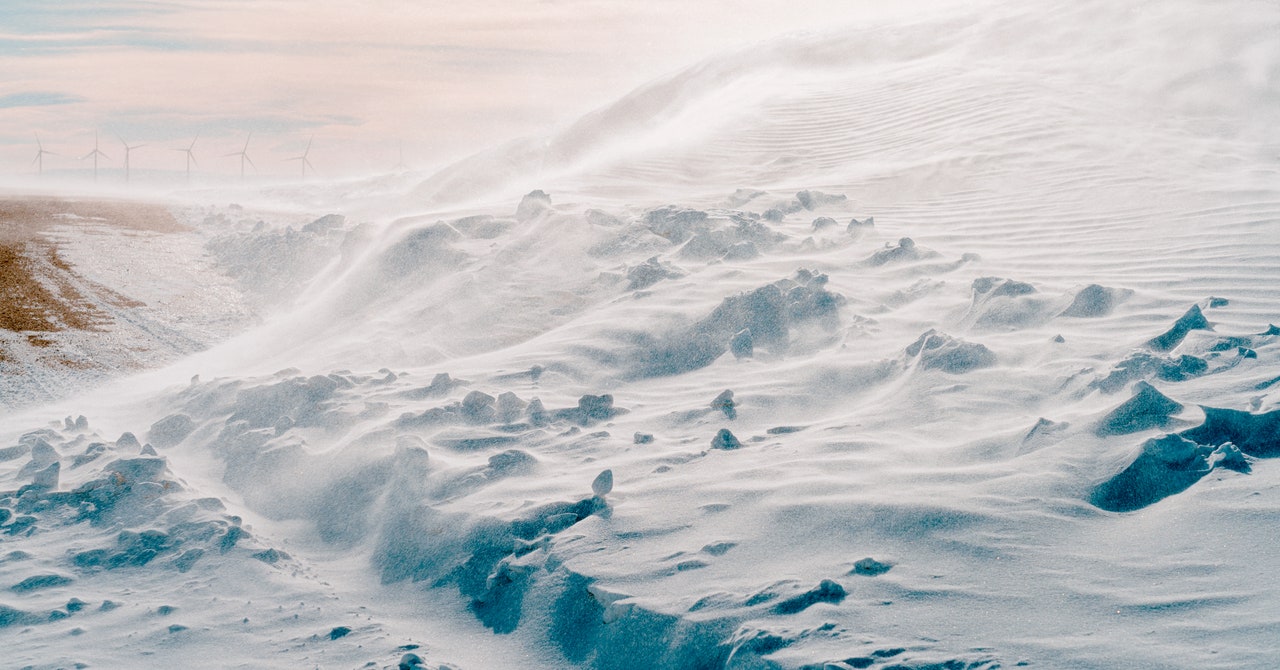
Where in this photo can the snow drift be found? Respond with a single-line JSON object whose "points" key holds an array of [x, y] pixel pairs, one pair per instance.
{"points": [[933, 345]]}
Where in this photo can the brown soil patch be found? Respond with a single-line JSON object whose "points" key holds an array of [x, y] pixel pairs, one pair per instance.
{"points": [[39, 290], [23, 217], [37, 341], [73, 364], [26, 304]]}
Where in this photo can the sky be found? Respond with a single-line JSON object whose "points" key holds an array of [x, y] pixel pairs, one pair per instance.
{"points": [[362, 82]]}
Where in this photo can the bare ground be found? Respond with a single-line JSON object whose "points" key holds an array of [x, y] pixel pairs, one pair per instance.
{"points": [[42, 296]]}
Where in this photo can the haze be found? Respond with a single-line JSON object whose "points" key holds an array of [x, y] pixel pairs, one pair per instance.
{"points": [[435, 80]]}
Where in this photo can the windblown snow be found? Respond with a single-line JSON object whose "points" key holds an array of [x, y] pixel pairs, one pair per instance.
{"points": [[941, 344]]}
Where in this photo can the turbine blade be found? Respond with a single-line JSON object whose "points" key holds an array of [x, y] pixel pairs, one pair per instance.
{"points": [[246, 157], [192, 157]]}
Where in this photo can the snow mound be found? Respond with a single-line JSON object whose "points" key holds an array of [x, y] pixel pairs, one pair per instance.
{"points": [[938, 351]]}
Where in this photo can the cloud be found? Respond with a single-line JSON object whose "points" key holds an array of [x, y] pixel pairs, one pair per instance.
{"points": [[34, 17], [171, 125], [37, 99]]}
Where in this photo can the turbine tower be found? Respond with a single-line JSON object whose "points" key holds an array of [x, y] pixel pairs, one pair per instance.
{"points": [[40, 152], [244, 155], [191, 157], [95, 153], [303, 158], [401, 167], [127, 149]]}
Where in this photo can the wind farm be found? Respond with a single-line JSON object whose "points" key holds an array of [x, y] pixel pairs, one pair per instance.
{"points": [[94, 155], [190, 155], [127, 150], [40, 154], [303, 160], [150, 167], [244, 155]]}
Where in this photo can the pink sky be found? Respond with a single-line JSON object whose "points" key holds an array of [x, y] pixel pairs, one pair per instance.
{"points": [[442, 79]]}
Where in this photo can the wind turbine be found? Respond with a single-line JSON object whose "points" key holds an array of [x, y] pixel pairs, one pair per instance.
{"points": [[95, 153], [191, 157], [244, 155], [401, 167], [303, 158], [127, 149], [40, 152]]}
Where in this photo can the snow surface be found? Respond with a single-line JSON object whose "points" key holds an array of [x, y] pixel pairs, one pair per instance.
{"points": [[941, 345]]}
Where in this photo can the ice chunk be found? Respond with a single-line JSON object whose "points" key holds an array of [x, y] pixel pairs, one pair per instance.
{"points": [[939, 351], [870, 567], [1148, 408], [675, 224], [813, 199], [14, 452], [133, 470], [1007, 303], [1166, 465], [324, 224], [769, 312], [742, 345], [47, 478], [170, 430], [855, 226], [537, 413], [598, 217], [1095, 300], [510, 407], [724, 403], [1229, 456], [590, 409], [904, 250], [603, 483], [38, 582], [479, 407], [1143, 365], [1254, 434], [1192, 320], [533, 204], [649, 273], [827, 591], [725, 440]]}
